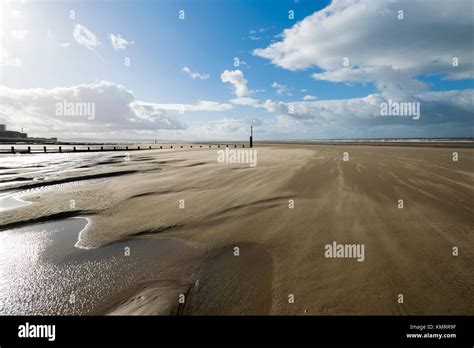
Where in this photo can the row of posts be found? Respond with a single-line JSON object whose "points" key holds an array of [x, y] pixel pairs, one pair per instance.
{"points": [[74, 149]]}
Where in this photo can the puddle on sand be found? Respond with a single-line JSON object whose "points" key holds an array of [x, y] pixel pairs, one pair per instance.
{"points": [[11, 201], [42, 273], [19, 169]]}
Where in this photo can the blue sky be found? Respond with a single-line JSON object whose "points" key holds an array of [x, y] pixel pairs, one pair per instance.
{"points": [[40, 51]]}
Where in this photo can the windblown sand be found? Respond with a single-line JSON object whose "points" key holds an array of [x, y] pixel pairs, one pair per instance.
{"points": [[408, 251]]}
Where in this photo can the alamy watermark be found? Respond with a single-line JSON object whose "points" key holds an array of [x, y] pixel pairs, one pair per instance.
{"points": [[84, 109], [336, 250], [37, 331], [391, 108], [233, 156]]}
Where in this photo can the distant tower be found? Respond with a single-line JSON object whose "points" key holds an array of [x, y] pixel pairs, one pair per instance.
{"points": [[251, 136]]}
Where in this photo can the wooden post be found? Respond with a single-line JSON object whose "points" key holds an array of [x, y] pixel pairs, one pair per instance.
{"points": [[115, 148], [44, 149], [88, 148], [161, 147], [150, 147], [171, 146], [60, 150], [29, 149], [74, 149], [126, 148], [139, 148], [13, 149], [101, 148], [251, 136]]}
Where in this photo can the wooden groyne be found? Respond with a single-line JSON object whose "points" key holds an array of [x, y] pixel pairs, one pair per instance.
{"points": [[107, 148]]}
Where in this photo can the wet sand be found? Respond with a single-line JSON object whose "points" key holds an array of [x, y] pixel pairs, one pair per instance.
{"points": [[407, 251]]}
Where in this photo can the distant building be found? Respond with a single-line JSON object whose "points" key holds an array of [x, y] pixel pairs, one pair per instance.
{"points": [[7, 136], [11, 134]]}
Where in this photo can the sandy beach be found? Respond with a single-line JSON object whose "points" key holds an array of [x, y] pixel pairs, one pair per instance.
{"points": [[281, 250]]}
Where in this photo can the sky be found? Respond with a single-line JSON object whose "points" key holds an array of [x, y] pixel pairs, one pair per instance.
{"points": [[208, 69]]}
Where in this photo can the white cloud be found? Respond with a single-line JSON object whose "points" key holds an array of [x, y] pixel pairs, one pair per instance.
{"points": [[442, 114], [280, 89], [65, 44], [394, 83], [286, 121], [201, 105], [195, 75], [236, 79], [49, 35], [253, 34], [380, 48], [245, 101], [446, 113], [230, 125], [451, 107], [260, 30], [225, 129], [85, 37], [118, 42], [19, 34], [16, 13], [116, 109], [12, 62], [7, 60]]}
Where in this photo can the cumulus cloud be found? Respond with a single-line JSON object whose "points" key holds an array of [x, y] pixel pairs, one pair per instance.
{"points": [[379, 47], [195, 75], [85, 37], [237, 80], [116, 109], [394, 83], [118, 42], [309, 97], [448, 107]]}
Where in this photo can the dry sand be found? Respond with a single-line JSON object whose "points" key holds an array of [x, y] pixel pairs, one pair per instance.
{"points": [[407, 251]]}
